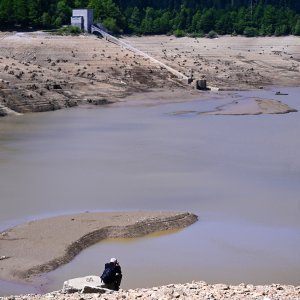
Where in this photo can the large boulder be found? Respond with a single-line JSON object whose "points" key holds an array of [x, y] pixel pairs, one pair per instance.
{"points": [[88, 284]]}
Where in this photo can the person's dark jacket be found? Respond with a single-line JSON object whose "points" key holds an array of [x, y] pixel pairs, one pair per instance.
{"points": [[116, 281], [116, 268]]}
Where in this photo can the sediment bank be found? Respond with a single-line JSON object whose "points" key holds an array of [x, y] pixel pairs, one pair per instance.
{"points": [[44, 245], [41, 72]]}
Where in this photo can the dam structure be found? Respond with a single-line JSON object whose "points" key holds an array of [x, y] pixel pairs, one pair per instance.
{"points": [[84, 19]]}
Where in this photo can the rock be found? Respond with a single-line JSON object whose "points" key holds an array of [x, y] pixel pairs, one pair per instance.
{"points": [[78, 284], [221, 286], [194, 290], [4, 257], [3, 113], [99, 290]]}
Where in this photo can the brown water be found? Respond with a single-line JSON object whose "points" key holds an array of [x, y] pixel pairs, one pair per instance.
{"points": [[239, 174]]}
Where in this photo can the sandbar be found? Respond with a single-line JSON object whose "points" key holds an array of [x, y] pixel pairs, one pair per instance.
{"points": [[43, 245], [252, 107]]}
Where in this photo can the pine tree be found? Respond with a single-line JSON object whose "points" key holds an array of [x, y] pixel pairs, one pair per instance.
{"points": [[134, 19], [196, 22], [147, 22], [20, 12], [207, 22], [33, 12], [151, 16], [269, 20], [6, 11], [224, 24], [108, 13], [46, 20], [165, 22], [297, 28]]}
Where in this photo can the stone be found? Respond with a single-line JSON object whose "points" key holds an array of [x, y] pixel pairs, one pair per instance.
{"points": [[90, 290], [221, 286], [78, 284], [4, 257], [199, 290]]}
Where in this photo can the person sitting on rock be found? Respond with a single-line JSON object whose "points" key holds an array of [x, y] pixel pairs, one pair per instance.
{"points": [[112, 275]]}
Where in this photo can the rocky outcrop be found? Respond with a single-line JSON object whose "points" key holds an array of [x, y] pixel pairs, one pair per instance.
{"points": [[85, 285], [188, 291], [23, 100]]}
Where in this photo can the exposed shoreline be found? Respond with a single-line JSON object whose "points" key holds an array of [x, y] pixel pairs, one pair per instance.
{"points": [[46, 73], [41, 72], [56, 230], [187, 291], [41, 246]]}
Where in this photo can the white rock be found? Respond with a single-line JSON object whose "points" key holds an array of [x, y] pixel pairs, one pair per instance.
{"points": [[221, 286], [77, 284]]}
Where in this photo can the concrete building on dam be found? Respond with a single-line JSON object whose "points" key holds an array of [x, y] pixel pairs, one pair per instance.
{"points": [[83, 18]]}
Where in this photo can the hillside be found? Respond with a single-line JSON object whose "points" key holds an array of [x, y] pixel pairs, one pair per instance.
{"points": [[42, 72]]}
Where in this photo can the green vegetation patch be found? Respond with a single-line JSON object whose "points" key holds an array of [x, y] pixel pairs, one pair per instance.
{"points": [[68, 30], [179, 17]]}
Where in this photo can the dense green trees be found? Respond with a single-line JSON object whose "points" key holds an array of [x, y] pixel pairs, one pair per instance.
{"points": [[195, 17], [108, 13]]}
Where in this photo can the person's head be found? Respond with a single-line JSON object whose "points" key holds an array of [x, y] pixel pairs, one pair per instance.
{"points": [[113, 260]]}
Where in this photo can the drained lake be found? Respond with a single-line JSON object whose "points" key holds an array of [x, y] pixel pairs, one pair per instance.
{"points": [[239, 174]]}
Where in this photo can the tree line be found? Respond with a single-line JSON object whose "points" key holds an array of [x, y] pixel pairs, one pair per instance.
{"points": [[179, 17]]}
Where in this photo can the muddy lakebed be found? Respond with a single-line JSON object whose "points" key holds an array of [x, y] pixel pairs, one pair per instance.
{"points": [[239, 173]]}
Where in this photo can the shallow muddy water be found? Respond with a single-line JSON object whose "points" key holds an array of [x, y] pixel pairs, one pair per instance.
{"points": [[239, 174]]}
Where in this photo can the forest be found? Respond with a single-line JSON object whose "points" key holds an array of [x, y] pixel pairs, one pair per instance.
{"points": [[178, 17]]}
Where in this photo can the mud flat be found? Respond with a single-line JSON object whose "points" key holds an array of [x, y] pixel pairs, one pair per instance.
{"points": [[43, 245], [246, 107], [254, 107]]}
